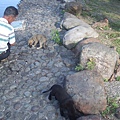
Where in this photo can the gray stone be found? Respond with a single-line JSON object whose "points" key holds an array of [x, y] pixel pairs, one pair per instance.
{"points": [[33, 117], [27, 94], [69, 0], [70, 21], [17, 106], [105, 58], [43, 79], [74, 35], [74, 8], [8, 114], [87, 89], [80, 44], [1, 115], [35, 108], [91, 117]]}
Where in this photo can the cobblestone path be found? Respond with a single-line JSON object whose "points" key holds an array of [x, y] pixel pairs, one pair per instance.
{"points": [[28, 71]]}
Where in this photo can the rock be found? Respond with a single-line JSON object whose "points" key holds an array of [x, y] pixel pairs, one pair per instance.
{"points": [[70, 21], [79, 46], [68, 0], [35, 108], [117, 72], [117, 113], [74, 8], [17, 106], [87, 89], [105, 58], [74, 35], [91, 117]]}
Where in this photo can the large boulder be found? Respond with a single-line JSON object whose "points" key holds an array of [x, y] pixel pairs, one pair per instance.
{"points": [[80, 44], [87, 89], [74, 35], [70, 21], [74, 8], [77, 30], [105, 58]]}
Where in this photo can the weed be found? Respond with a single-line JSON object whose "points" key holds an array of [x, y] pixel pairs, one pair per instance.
{"points": [[117, 44], [106, 28], [114, 35], [56, 37], [90, 64], [115, 26], [118, 78], [106, 80], [79, 67], [111, 107], [63, 11]]}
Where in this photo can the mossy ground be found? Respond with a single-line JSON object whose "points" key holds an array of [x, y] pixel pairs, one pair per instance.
{"points": [[99, 10]]}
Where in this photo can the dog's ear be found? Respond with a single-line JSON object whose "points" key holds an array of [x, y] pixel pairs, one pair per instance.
{"points": [[30, 45]]}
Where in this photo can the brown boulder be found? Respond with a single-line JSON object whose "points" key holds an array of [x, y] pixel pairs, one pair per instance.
{"points": [[87, 89], [79, 46], [74, 8]]}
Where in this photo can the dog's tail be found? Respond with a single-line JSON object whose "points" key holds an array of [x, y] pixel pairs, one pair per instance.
{"points": [[47, 90]]}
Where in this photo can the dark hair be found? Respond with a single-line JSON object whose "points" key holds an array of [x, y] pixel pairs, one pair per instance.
{"points": [[11, 10]]}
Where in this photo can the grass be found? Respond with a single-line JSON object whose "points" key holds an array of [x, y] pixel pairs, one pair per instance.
{"points": [[118, 78], [79, 67], [117, 44], [106, 80], [90, 64], [101, 9], [56, 37], [112, 104]]}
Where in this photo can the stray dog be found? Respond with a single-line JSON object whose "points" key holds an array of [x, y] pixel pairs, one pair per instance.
{"points": [[37, 39], [67, 107], [101, 24]]}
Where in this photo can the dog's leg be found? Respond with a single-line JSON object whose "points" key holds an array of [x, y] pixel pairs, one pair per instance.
{"points": [[40, 44], [36, 42], [50, 96], [61, 112], [64, 112]]}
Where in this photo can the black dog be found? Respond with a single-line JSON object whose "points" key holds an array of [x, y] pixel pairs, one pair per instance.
{"points": [[67, 107]]}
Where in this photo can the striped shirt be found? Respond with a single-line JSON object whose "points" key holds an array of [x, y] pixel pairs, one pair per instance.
{"points": [[6, 34]]}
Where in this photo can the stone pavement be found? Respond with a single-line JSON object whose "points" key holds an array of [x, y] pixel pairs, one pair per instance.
{"points": [[29, 71]]}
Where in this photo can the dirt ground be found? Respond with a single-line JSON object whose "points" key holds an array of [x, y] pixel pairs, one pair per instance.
{"points": [[97, 10]]}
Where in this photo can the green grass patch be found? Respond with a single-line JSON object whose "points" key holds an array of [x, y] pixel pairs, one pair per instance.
{"points": [[106, 80], [90, 64], [112, 104], [79, 67], [118, 78], [113, 35], [117, 44], [100, 9], [56, 37]]}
